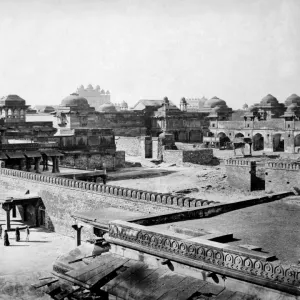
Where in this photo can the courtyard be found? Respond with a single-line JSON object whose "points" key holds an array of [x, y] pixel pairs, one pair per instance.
{"points": [[23, 263]]}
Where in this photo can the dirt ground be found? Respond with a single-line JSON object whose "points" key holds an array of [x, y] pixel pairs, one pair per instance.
{"points": [[204, 182]]}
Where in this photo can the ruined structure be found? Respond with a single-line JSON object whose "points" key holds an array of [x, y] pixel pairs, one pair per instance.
{"points": [[271, 125]]}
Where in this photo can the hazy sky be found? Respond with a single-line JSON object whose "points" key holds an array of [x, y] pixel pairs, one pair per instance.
{"points": [[238, 50]]}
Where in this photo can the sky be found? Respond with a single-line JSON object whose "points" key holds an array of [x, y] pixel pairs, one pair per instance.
{"points": [[238, 50]]}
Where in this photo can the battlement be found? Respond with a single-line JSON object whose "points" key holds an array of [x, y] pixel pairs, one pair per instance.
{"points": [[239, 163], [117, 191], [283, 165]]}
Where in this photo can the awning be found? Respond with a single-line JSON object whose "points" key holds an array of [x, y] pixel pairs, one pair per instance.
{"points": [[16, 154], [32, 154], [2, 156], [52, 153]]}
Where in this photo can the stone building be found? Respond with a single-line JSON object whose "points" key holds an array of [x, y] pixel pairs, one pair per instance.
{"points": [[148, 117], [271, 125], [95, 96], [14, 124]]}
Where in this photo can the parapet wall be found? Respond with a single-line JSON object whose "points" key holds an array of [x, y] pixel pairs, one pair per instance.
{"points": [[252, 266], [282, 175], [199, 156], [62, 197]]}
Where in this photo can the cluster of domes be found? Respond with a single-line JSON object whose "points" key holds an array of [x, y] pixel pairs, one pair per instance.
{"points": [[123, 104], [74, 100]]}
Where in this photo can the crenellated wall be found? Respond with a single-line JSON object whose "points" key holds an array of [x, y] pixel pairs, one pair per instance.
{"points": [[282, 175], [241, 173]]}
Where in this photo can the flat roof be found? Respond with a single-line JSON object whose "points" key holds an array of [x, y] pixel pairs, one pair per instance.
{"points": [[273, 226]]}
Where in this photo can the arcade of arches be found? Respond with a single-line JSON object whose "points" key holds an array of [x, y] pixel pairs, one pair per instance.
{"points": [[260, 142]]}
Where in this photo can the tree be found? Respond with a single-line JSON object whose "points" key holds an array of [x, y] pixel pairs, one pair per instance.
{"points": [[245, 106]]}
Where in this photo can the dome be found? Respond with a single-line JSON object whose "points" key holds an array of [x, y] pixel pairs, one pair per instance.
{"points": [[216, 109], [183, 101], [74, 100], [213, 102], [102, 92], [81, 87], [166, 100], [107, 92], [89, 87], [269, 100], [124, 104], [292, 108], [12, 100], [292, 99], [107, 107], [97, 87]]}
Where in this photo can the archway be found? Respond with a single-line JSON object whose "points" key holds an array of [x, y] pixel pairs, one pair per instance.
{"points": [[258, 142], [278, 143], [224, 140], [239, 135]]}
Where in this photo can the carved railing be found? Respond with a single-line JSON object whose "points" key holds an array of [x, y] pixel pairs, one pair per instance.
{"points": [[223, 258], [283, 165], [117, 191]]}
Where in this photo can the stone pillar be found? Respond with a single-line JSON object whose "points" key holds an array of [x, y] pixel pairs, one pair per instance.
{"points": [[14, 211], [57, 164], [37, 164], [28, 164], [78, 233], [25, 212], [7, 207], [22, 164], [53, 164]]}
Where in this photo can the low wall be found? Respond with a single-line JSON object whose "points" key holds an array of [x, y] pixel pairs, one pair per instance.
{"points": [[62, 197], [131, 145], [92, 161], [224, 259], [282, 175], [206, 211], [199, 156], [240, 173]]}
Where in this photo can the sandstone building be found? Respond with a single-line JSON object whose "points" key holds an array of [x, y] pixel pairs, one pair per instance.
{"points": [[95, 96], [271, 125]]}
